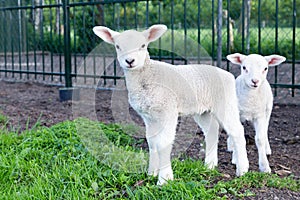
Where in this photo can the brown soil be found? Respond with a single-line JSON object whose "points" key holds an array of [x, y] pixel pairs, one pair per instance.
{"points": [[27, 103]]}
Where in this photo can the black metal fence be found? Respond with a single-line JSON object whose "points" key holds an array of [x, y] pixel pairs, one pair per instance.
{"points": [[52, 40]]}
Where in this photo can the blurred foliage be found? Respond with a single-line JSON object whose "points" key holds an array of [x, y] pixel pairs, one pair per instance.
{"points": [[45, 25]]}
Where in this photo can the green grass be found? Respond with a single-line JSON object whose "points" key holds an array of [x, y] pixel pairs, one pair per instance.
{"points": [[59, 163]]}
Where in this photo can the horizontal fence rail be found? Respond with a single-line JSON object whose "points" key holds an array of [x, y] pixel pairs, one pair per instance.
{"points": [[51, 41]]}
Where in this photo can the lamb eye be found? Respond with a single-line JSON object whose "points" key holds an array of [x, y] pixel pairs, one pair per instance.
{"points": [[244, 68], [143, 46], [117, 46], [266, 69]]}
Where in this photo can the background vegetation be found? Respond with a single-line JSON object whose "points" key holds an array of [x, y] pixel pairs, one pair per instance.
{"points": [[44, 27]]}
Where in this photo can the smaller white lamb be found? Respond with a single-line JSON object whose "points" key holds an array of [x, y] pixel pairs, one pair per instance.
{"points": [[255, 99], [159, 92]]}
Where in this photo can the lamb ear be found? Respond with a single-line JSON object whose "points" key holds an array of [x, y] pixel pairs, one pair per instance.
{"points": [[274, 59], [155, 32], [236, 58], [105, 33]]}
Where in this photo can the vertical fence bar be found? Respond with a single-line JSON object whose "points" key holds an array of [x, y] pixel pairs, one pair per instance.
{"points": [[219, 33], [60, 42], [136, 15], [198, 31], [67, 53], [4, 41], [159, 41], [213, 30], [294, 46], [115, 62], [34, 38], [147, 13], [20, 42], [228, 33], [185, 32], [84, 45], [115, 14], [12, 46], [116, 24], [51, 38], [41, 25], [276, 26], [243, 26], [93, 39], [248, 27], [172, 31], [115, 11], [27, 49], [74, 39], [276, 45], [259, 26], [125, 14]]}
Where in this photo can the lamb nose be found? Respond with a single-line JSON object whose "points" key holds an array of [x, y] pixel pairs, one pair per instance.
{"points": [[255, 81], [129, 61]]}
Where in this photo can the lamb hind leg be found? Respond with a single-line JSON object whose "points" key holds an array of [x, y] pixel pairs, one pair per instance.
{"points": [[230, 121], [268, 147], [210, 127], [236, 133]]}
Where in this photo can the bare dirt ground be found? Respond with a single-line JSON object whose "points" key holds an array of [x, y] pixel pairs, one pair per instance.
{"points": [[27, 103]]}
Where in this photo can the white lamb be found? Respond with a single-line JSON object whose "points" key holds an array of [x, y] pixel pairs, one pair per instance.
{"points": [[256, 99], [160, 92]]}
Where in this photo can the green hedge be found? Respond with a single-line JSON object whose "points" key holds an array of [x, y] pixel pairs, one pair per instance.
{"points": [[182, 46]]}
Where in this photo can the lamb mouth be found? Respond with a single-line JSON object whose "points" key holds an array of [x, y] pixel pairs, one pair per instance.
{"points": [[130, 66], [252, 86]]}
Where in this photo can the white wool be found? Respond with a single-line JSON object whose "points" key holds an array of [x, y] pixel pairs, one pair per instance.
{"points": [[170, 83], [253, 103], [159, 92], [255, 98]]}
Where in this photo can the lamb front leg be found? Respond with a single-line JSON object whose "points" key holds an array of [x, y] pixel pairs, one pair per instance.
{"points": [[160, 136], [268, 115], [153, 159], [165, 167], [261, 140]]}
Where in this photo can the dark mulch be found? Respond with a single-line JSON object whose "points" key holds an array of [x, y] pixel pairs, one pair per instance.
{"points": [[27, 103]]}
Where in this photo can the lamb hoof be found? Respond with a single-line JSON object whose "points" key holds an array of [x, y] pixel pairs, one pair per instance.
{"points": [[265, 169], [165, 175], [153, 172], [242, 171], [211, 164], [163, 181]]}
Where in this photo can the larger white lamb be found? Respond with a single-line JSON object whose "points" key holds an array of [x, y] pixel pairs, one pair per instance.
{"points": [[256, 99], [159, 92]]}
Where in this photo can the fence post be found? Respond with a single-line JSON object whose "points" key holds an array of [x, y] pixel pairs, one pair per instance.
{"points": [[294, 47], [219, 33], [67, 93], [67, 44]]}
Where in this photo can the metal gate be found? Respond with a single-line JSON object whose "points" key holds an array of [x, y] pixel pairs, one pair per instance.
{"points": [[51, 41]]}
